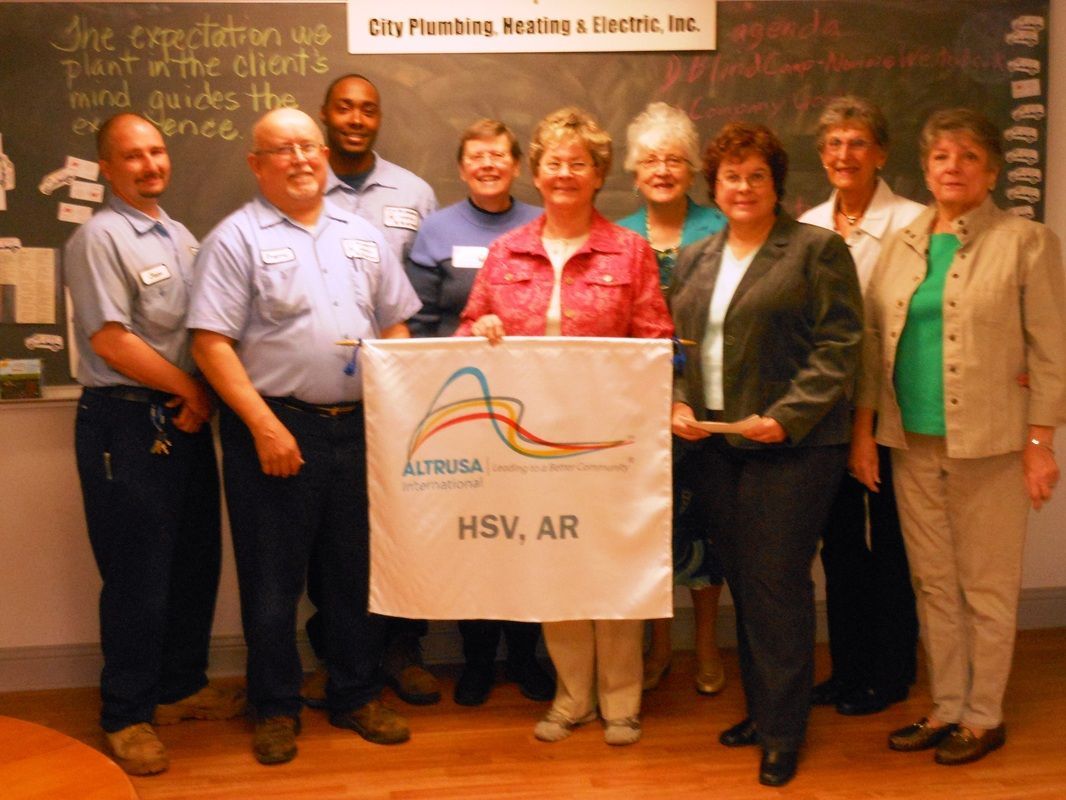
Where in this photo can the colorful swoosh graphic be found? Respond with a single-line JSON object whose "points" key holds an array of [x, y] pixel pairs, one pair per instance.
{"points": [[505, 413]]}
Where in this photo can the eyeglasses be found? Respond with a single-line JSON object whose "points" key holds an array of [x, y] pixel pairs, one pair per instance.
{"points": [[757, 180], [858, 145], [306, 149], [496, 158], [672, 163], [575, 167]]}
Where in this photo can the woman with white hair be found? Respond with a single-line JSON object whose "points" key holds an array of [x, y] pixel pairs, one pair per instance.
{"points": [[663, 155]]}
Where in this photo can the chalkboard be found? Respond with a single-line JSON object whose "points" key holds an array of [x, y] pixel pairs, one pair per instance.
{"points": [[206, 71]]}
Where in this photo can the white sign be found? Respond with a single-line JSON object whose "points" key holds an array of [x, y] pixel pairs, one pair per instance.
{"points": [[526, 481], [530, 26]]}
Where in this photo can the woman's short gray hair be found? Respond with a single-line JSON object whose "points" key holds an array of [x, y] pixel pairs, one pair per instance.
{"points": [[657, 127], [952, 122], [851, 110]]}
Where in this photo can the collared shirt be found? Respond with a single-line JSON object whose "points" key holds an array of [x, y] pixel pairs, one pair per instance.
{"points": [[610, 286], [392, 198], [886, 214], [287, 294], [126, 267], [1004, 314]]}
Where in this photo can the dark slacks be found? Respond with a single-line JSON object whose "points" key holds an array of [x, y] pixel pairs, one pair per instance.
{"points": [[277, 524], [767, 509], [873, 625], [481, 637], [154, 527]]}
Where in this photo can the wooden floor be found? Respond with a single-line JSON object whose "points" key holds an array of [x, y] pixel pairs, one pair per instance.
{"points": [[489, 752]]}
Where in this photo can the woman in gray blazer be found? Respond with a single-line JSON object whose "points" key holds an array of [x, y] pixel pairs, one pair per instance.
{"points": [[774, 309]]}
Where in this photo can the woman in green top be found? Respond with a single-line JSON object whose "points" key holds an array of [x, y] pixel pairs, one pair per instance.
{"points": [[962, 302], [663, 154]]}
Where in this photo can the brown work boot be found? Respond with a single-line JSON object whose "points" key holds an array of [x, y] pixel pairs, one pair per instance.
{"points": [[313, 690], [375, 722], [403, 669], [211, 702], [274, 740], [138, 750]]}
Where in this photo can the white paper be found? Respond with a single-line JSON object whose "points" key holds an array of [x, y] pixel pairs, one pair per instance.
{"points": [[1028, 87], [32, 271], [71, 212], [84, 190], [723, 427], [63, 176], [86, 170]]}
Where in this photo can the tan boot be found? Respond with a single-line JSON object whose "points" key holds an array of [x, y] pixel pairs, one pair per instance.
{"points": [[138, 750], [404, 671], [211, 702], [274, 740], [375, 722], [313, 690]]}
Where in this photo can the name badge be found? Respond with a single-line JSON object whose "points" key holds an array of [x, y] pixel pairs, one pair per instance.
{"points": [[277, 256], [468, 257], [152, 275], [362, 248], [401, 217]]}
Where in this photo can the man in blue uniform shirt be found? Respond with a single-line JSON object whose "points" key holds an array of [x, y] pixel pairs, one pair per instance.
{"points": [[278, 283], [396, 201], [361, 181], [144, 452]]}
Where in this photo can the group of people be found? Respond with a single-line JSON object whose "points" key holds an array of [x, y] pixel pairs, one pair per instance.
{"points": [[872, 336]]}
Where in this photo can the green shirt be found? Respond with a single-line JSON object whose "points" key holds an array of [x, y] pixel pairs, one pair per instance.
{"points": [[920, 355]]}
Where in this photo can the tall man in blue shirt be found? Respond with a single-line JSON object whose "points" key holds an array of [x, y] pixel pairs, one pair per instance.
{"points": [[278, 283], [396, 201], [144, 452]]}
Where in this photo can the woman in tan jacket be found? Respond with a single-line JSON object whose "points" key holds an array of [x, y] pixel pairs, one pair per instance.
{"points": [[964, 301]]}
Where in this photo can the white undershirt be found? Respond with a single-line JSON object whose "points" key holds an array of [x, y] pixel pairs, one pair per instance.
{"points": [[559, 252], [730, 272]]}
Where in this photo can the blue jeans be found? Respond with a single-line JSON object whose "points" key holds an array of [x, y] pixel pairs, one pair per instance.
{"points": [[277, 524], [154, 526]]}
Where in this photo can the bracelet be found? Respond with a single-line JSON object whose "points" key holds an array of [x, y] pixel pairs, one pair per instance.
{"points": [[1045, 445]]}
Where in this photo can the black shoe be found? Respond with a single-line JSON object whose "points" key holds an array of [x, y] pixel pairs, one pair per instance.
{"points": [[778, 767], [869, 700], [740, 735], [475, 684], [826, 693], [533, 681]]}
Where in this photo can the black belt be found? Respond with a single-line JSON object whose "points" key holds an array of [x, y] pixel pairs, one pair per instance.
{"points": [[134, 394], [328, 410]]}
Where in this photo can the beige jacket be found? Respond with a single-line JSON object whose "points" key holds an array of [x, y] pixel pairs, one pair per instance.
{"points": [[1004, 315]]}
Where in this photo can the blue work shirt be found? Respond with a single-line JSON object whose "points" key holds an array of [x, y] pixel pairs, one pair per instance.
{"points": [[286, 294], [392, 198], [127, 267]]}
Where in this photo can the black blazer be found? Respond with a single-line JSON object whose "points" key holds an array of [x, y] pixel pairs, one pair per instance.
{"points": [[791, 336]]}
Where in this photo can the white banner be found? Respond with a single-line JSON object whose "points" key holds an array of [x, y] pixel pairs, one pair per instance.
{"points": [[527, 481], [530, 26]]}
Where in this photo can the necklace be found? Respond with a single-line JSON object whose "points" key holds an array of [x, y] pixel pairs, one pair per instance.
{"points": [[853, 219]]}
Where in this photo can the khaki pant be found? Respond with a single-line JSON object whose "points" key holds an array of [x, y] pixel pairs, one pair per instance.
{"points": [[964, 522], [597, 659]]}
